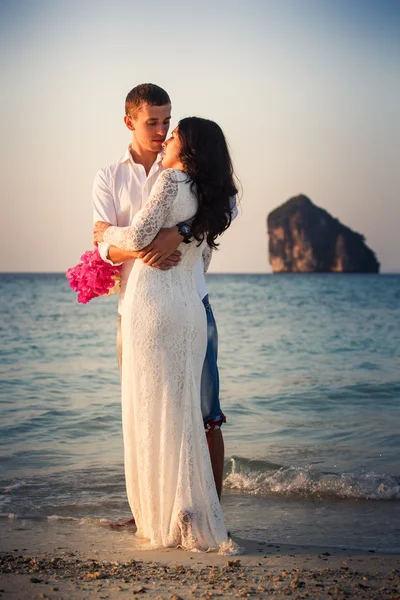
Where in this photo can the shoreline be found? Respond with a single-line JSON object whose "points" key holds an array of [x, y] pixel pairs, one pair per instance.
{"points": [[67, 561]]}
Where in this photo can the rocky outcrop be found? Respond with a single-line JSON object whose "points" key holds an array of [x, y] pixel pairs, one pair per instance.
{"points": [[304, 238]]}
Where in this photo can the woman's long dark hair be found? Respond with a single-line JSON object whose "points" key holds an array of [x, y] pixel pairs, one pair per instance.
{"points": [[205, 158]]}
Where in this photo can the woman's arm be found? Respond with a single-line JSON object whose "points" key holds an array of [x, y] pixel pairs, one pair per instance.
{"points": [[150, 219]]}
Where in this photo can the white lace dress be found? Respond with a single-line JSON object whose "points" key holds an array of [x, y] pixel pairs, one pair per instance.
{"points": [[169, 479]]}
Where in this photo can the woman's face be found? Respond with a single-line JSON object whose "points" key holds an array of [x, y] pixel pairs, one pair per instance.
{"points": [[172, 149]]}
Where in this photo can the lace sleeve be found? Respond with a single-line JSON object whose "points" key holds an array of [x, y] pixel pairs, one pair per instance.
{"points": [[149, 220], [207, 255]]}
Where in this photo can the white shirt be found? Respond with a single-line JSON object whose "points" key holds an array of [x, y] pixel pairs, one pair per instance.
{"points": [[119, 192]]}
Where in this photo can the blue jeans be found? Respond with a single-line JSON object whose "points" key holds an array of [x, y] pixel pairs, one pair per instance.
{"points": [[210, 407]]}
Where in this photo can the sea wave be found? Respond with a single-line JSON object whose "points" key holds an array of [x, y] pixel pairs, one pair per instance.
{"points": [[13, 486], [264, 479]]}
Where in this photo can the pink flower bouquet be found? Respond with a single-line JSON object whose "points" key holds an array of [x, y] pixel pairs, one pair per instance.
{"points": [[93, 277]]}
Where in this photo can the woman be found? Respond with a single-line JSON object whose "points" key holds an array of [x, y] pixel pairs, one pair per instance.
{"points": [[169, 479]]}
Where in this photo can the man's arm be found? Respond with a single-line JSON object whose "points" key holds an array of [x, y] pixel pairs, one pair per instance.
{"points": [[118, 256], [161, 253], [207, 252], [206, 255], [234, 208], [148, 255], [163, 248], [104, 210], [146, 223]]}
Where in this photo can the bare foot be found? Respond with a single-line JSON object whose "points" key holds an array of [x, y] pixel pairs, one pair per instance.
{"points": [[117, 525]]}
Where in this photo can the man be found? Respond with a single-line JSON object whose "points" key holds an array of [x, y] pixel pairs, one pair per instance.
{"points": [[119, 191]]}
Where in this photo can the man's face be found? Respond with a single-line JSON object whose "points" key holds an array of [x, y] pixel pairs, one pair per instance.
{"points": [[150, 125]]}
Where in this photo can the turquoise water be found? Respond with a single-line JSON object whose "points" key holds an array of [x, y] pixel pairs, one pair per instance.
{"points": [[310, 374]]}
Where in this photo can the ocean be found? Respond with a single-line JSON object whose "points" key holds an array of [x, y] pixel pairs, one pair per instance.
{"points": [[310, 385]]}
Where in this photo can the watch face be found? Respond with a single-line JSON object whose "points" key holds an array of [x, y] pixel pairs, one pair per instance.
{"points": [[185, 230]]}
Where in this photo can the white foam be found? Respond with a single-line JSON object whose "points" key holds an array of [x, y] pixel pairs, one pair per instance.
{"points": [[61, 518], [13, 486], [307, 481]]}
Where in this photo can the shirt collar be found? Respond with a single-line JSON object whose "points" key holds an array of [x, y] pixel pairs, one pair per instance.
{"points": [[128, 156]]}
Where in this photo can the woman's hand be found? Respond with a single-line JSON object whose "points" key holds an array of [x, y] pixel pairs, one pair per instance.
{"points": [[98, 231]]}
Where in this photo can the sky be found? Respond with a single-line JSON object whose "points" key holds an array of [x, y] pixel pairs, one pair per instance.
{"points": [[306, 91]]}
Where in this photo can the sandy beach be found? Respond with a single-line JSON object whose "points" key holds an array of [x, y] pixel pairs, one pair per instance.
{"points": [[70, 560]]}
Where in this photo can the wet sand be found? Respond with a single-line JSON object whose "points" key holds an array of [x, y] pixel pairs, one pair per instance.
{"points": [[74, 561]]}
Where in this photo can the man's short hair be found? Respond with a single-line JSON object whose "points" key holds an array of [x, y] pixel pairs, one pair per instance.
{"points": [[145, 93]]}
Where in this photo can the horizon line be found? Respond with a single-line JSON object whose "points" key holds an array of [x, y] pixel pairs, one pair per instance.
{"points": [[394, 272]]}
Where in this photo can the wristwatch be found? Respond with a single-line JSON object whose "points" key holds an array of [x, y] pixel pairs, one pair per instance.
{"points": [[186, 232]]}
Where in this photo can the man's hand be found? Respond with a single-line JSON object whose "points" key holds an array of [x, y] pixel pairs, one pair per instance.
{"points": [[98, 231], [173, 260], [162, 253], [119, 256], [163, 248]]}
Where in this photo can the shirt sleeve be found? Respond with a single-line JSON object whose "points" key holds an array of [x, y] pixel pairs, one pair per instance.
{"points": [[207, 251], [234, 207], [207, 255], [103, 209], [148, 221]]}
